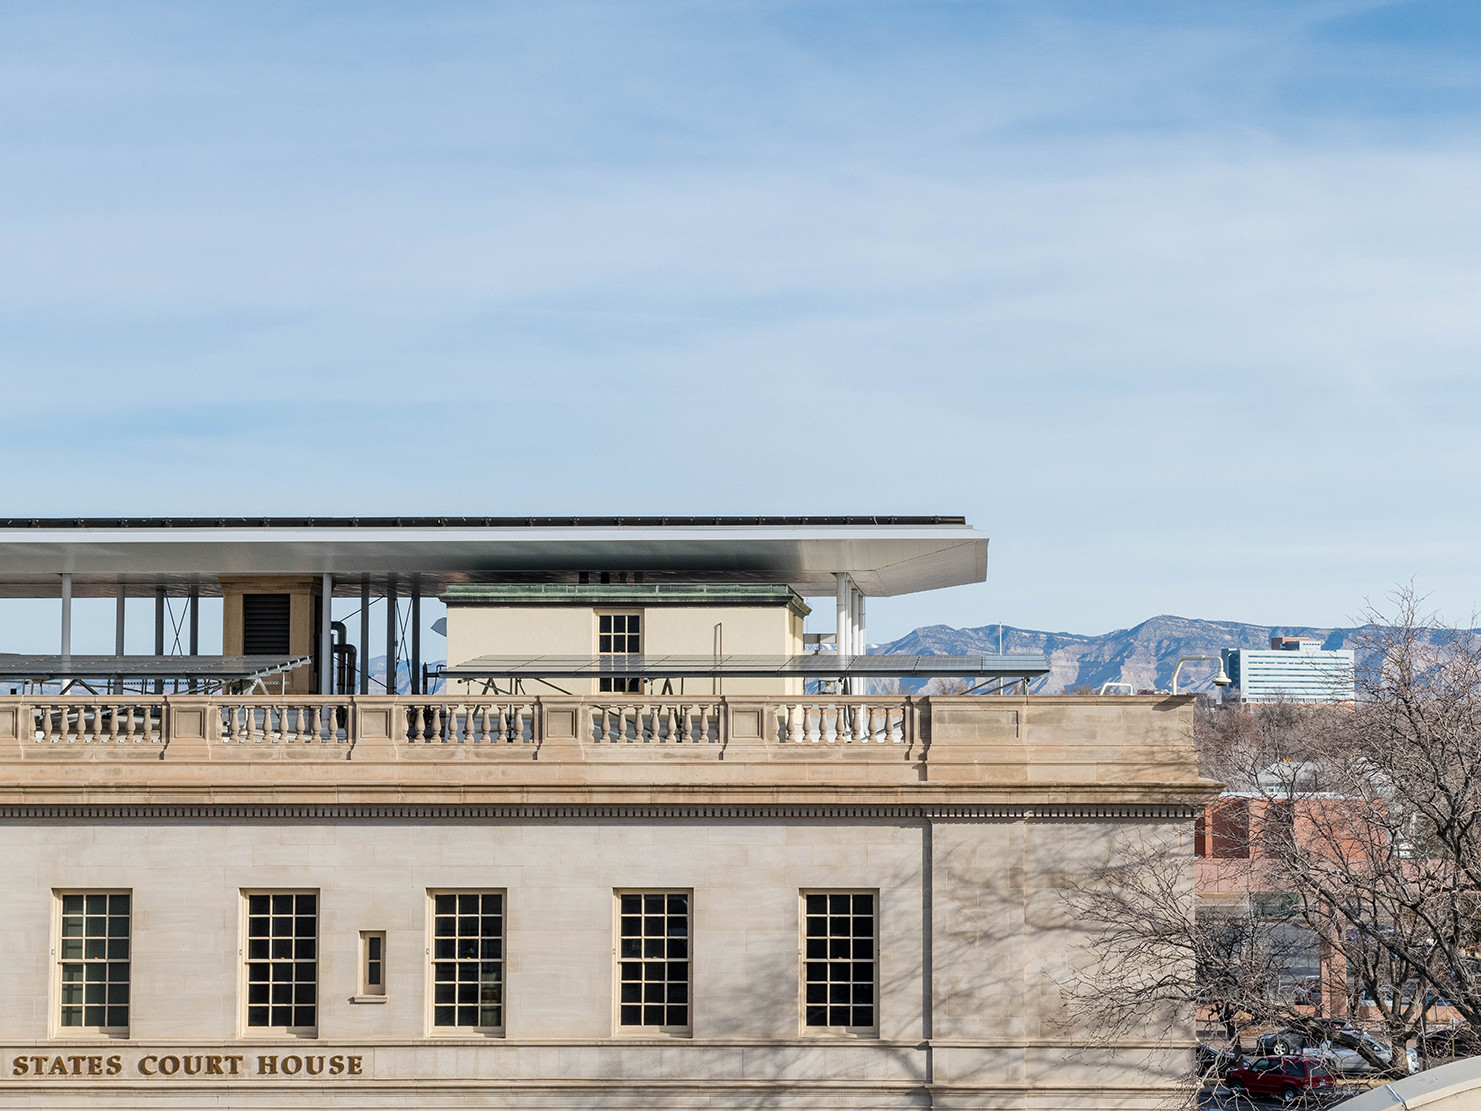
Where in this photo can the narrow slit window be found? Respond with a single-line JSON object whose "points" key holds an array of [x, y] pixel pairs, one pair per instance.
{"points": [[373, 963]]}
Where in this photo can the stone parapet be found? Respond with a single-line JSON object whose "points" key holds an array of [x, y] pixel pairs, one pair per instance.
{"points": [[820, 750]]}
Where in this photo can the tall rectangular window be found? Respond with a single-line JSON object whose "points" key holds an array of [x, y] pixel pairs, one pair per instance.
{"points": [[653, 960], [283, 960], [620, 634], [468, 960], [839, 961], [93, 960]]}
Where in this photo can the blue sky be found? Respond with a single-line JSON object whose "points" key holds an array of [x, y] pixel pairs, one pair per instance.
{"points": [[1179, 301]]}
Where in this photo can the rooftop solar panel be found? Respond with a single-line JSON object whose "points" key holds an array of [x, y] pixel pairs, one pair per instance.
{"points": [[47, 668], [815, 665]]}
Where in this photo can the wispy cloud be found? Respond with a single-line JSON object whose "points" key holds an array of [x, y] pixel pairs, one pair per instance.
{"points": [[1144, 288]]}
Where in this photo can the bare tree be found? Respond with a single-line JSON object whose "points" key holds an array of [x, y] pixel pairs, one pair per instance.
{"points": [[1355, 827]]}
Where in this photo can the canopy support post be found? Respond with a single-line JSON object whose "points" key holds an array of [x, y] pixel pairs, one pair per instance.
{"points": [[66, 614], [326, 635], [159, 632], [391, 634], [364, 634], [416, 635]]}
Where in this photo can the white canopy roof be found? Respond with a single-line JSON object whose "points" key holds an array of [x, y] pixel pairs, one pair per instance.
{"points": [[884, 555]]}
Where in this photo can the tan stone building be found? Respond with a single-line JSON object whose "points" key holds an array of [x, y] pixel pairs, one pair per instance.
{"points": [[528, 899]]}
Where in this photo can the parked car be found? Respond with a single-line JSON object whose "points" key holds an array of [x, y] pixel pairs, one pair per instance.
{"points": [[1449, 1043], [1333, 1041], [1289, 1079], [1208, 1061]]}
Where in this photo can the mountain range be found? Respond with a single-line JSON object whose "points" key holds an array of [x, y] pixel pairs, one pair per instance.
{"points": [[1143, 655]]}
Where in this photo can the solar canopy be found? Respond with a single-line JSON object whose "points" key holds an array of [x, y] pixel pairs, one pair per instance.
{"points": [[817, 665], [16, 668]]}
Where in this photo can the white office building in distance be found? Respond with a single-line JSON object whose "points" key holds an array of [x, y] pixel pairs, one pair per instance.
{"points": [[623, 858], [1295, 669]]}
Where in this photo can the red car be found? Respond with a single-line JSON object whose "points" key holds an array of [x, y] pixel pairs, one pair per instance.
{"points": [[1289, 1079]]}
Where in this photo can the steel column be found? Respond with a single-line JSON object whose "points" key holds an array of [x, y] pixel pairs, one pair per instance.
{"points": [[195, 620], [416, 635], [364, 634], [195, 627], [391, 634], [66, 615], [326, 635], [118, 622], [159, 631], [841, 621]]}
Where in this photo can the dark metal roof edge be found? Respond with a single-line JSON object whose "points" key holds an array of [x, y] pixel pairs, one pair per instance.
{"points": [[466, 522]]}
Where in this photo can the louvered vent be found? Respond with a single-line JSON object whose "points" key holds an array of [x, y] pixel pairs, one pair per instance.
{"points": [[265, 624]]}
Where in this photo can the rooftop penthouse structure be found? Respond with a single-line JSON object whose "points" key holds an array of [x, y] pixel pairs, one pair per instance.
{"points": [[648, 847]]}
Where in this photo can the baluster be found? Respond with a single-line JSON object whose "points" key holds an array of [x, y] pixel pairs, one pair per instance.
{"points": [[645, 724], [674, 722], [128, 724], [503, 724], [311, 734], [482, 733]]}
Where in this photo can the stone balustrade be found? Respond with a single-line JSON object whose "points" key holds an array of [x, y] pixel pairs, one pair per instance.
{"points": [[818, 720], [618, 749]]}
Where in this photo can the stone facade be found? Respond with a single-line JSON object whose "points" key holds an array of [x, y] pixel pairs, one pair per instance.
{"points": [[964, 819]]}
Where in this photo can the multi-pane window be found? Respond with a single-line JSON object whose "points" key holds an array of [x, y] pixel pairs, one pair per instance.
{"points": [[94, 957], [283, 960], [620, 634], [839, 960], [653, 959], [468, 960]]}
